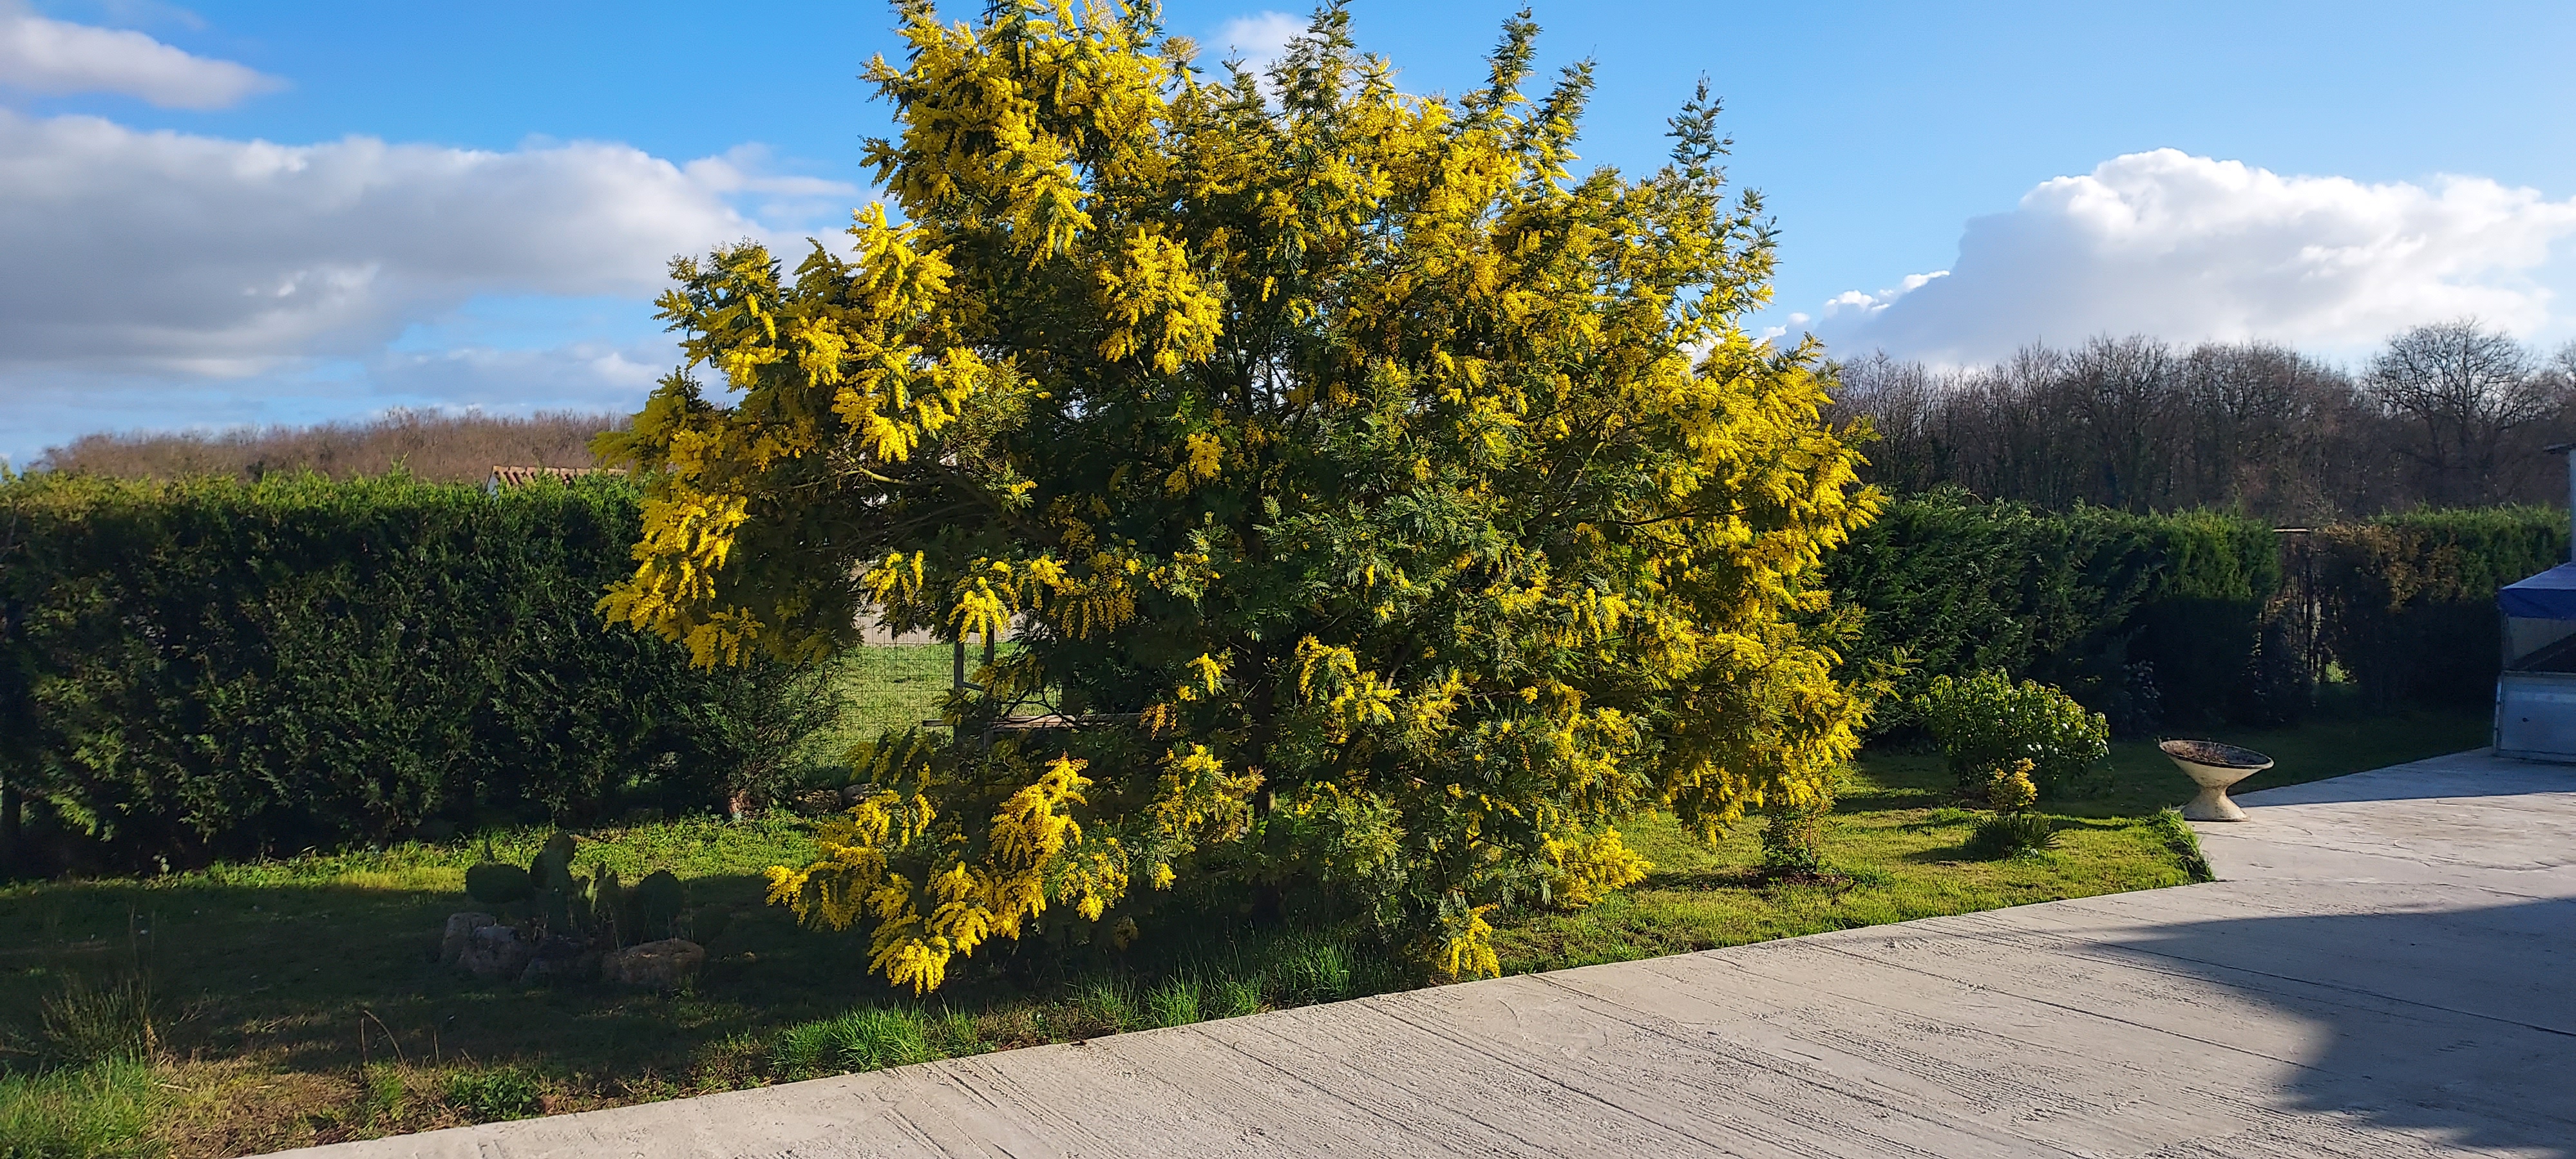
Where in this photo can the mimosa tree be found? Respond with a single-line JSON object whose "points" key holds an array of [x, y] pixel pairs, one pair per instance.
{"points": [[1398, 509]]}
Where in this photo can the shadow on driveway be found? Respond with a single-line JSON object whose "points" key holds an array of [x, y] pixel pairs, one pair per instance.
{"points": [[2457, 1022]]}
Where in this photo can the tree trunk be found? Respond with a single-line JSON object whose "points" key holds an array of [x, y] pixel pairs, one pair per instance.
{"points": [[8, 828]]}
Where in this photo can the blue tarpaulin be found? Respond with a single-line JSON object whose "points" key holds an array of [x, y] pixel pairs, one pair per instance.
{"points": [[2551, 595]]}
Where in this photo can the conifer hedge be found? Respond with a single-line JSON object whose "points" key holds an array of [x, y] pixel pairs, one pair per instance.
{"points": [[2408, 601], [200, 668], [2188, 619]]}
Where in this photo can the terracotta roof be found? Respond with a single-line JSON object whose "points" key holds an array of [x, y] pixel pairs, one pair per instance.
{"points": [[522, 476]]}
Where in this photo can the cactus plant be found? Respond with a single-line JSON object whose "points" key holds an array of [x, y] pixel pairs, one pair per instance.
{"points": [[498, 884], [657, 904], [553, 863], [595, 908]]}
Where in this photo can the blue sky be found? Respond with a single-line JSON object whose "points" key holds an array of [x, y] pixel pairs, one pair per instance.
{"points": [[258, 212]]}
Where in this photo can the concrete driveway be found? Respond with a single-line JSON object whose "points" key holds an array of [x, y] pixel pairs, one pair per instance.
{"points": [[2383, 971]]}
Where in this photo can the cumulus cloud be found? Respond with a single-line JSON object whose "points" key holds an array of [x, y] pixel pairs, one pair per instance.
{"points": [[2189, 248], [168, 279], [56, 57], [580, 375], [162, 250], [1261, 38]]}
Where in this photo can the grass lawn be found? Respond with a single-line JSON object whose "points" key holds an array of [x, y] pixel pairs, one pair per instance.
{"points": [[298, 1002], [887, 688], [1901, 848]]}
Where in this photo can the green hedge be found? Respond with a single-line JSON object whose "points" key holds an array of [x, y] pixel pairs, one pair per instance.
{"points": [[202, 668], [2145, 618], [2408, 601], [2198, 627], [2194, 618]]}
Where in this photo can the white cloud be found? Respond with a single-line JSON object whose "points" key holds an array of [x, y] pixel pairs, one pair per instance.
{"points": [[168, 251], [1261, 38], [582, 375], [153, 268], [2189, 248], [56, 57]]}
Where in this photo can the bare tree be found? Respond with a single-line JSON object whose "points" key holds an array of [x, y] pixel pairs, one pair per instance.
{"points": [[2120, 392], [2468, 390], [2449, 414], [447, 448]]}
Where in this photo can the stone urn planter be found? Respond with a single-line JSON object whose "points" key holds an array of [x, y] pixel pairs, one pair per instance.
{"points": [[2214, 766]]}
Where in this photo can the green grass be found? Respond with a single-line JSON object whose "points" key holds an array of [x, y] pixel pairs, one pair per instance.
{"points": [[882, 688], [299, 1001], [892, 688], [101, 1111], [1906, 852], [1893, 852]]}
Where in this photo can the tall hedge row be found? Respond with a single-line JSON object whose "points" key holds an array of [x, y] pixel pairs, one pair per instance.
{"points": [[201, 668], [2408, 601], [2188, 619], [207, 668]]}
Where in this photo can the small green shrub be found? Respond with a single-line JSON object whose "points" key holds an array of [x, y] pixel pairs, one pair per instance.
{"points": [[2009, 787], [495, 884], [1986, 721], [100, 1111], [1793, 839], [2007, 834], [493, 1096]]}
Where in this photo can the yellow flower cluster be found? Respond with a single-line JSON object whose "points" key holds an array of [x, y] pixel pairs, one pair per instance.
{"points": [[1034, 855], [1394, 477]]}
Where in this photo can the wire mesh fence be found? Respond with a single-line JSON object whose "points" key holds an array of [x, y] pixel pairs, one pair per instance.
{"points": [[895, 686]]}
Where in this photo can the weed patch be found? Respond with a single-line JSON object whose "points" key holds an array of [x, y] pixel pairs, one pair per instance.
{"points": [[496, 1095], [104, 1110], [2185, 843]]}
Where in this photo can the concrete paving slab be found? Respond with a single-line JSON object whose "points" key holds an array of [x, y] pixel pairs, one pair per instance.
{"points": [[2381, 970]]}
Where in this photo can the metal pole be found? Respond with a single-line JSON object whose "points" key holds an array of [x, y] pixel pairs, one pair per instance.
{"points": [[2570, 450]]}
